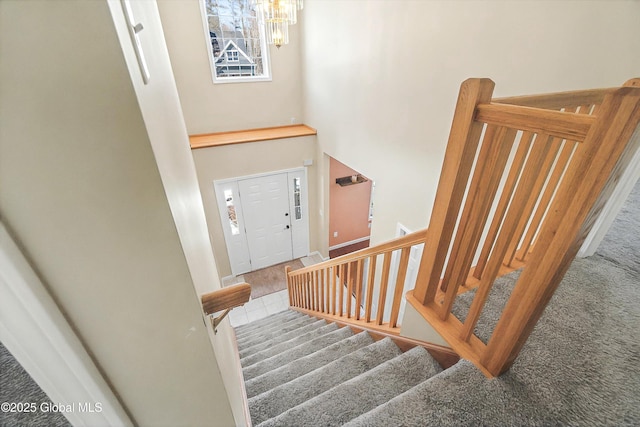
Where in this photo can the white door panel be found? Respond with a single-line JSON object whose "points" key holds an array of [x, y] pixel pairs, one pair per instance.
{"points": [[265, 204], [230, 208]]}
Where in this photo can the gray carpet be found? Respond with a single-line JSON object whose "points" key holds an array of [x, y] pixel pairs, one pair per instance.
{"points": [[581, 365], [17, 386]]}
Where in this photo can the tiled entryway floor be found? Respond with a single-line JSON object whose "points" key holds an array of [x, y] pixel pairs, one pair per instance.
{"points": [[264, 306]]}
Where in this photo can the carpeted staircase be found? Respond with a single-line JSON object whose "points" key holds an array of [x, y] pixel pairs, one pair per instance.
{"points": [[302, 371]]}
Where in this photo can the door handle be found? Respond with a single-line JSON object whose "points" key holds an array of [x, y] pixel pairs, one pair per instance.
{"points": [[287, 227], [286, 214]]}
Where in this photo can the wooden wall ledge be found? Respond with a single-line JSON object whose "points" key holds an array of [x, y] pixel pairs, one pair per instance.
{"points": [[251, 135]]}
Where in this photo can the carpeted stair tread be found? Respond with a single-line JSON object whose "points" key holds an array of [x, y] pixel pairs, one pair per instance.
{"points": [[273, 326], [303, 365], [284, 346], [363, 393], [274, 329], [295, 353], [270, 341], [272, 318], [277, 400], [444, 400], [270, 327]]}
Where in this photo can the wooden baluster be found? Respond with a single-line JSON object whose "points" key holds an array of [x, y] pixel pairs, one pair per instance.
{"points": [[360, 270], [507, 192], [596, 164], [316, 282], [305, 290], [287, 270], [322, 292], [369, 293], [461, 150], [334, 273], [310, 289], [533, 197], [554, 180], [399, 287], [492, 160], [552, 186], [349, 289], [384, 282], [527, 181], [295, 291], [341, 290]]}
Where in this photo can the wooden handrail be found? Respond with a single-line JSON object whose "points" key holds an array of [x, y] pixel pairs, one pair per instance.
{"points": [[558, 100], [410, 239], [224, 300], [556, 123]]}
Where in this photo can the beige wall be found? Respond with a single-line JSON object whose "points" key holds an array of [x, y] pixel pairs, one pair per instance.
{"points": [[83, 196], [212, 107], [231, 161], [381, 77], [348, 206]]}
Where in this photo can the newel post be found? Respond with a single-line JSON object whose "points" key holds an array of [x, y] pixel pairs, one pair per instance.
{"points": [[458, 161]]}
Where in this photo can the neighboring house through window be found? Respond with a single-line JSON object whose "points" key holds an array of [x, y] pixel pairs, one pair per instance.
{"points": [[236, 41]]}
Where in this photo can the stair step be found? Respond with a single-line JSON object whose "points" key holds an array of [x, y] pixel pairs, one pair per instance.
{"points": [[429, 403], [295, 353], [271, 326], [362, 393], [303, 365], [248, 327], [285, 396], [260, 344], [294, 342]]}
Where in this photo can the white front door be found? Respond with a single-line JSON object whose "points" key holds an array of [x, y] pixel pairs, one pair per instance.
{"points": [[265, 218], [265, 204]]}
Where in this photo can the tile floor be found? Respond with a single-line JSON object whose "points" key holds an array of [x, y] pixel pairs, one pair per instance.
{"points": [[264, 306]]}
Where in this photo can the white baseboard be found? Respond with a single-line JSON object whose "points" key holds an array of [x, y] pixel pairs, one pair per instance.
{"points": [[319, 254], [349, 243]]}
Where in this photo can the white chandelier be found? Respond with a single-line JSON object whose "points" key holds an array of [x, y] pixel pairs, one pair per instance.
{"points": [[276, 16]]}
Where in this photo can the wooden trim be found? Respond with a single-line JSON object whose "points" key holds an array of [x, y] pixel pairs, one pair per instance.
{"points": [[444, 355], [572, 126], [251, 135], [558, 100], [225, 298]]}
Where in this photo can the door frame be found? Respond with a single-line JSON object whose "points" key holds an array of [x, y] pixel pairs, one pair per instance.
{"points": [[239, 259]]}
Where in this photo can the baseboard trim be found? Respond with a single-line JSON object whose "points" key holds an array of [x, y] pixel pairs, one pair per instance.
{"points": [[319, 254], [349, 243]]}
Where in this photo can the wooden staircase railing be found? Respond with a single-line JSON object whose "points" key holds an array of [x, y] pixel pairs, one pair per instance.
{"points": [[522, 183], [345, 288]]}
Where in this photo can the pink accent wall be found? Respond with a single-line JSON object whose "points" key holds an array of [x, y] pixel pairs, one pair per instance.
{"points": [[348, 206]]}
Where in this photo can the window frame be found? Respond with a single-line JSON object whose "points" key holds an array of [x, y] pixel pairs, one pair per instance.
{"points": [[266, 63]]}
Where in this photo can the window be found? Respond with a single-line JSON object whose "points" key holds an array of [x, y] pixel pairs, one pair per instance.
{"points": [[237, 48], [232, 56], [231, 212], [297, 204]]}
